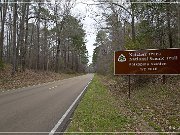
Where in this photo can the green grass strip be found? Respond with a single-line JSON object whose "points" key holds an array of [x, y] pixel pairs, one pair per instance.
{"points": [[97, 112]]}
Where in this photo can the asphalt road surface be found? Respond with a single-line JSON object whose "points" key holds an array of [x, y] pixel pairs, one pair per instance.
{"points": [[39, 108]]}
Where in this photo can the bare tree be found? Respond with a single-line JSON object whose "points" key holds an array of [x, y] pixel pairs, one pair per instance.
{"points": [[14, 35], [3, 10]]}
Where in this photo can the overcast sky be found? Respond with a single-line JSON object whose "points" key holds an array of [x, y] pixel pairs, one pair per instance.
{"points": [[89, 23]]}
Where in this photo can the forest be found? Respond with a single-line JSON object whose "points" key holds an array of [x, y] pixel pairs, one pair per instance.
{"points": [[140, 25], [42, 41], [135, 25], [40, 35]]}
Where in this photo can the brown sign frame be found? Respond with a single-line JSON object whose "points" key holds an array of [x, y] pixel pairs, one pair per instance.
{"points": [[147, 51]]}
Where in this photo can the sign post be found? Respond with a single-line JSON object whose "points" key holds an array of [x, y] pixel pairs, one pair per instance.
{"points": [[129, 86], [147, 62], [163, 79]]}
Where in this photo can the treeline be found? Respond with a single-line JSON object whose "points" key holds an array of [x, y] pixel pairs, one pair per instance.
{"points": [[41, 35], [135, 25]]}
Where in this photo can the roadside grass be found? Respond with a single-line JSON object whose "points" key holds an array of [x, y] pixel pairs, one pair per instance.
{"points": [[156, 103], [97, 112]]}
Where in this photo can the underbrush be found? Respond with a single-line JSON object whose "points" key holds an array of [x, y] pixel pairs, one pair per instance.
{"points": [[156, 103], [28, 78], [1, 65]]}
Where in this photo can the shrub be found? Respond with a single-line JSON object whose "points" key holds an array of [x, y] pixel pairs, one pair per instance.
{"points": [[1, 65]]}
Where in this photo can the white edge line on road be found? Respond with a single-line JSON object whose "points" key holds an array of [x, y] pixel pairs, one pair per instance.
{"points": [[67, 112]]}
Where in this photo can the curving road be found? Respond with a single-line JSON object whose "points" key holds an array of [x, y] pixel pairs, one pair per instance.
{"points": [[39, 108]]}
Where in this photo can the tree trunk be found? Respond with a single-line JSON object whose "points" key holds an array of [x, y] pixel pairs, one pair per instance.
{"points": [[65, 59], [133, 24], [26, 40], [68, 50], [10, 46], [57, 55], [169, 24], [7, 45], [14, 36], [45, 52], [10, 40], [58, 45], [18, 44], [21, 36], [38, 37], [72, 65], [30, 48], [3, 16]]}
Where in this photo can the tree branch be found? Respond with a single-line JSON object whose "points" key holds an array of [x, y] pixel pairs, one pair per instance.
{"points": [[122, 8]]}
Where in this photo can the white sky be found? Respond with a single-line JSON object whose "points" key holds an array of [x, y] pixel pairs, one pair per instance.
{"points": [[89, 23]]}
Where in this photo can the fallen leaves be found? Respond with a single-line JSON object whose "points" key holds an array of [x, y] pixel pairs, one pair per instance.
{"points": [[157, 104], [27, 78]]}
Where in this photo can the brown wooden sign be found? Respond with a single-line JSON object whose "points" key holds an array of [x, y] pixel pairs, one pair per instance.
{"points": [[152, 61]]}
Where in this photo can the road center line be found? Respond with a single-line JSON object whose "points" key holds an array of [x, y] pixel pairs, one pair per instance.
{"points": [[67, 112]]}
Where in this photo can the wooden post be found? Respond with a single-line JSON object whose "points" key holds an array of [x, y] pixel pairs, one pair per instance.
{"points": [[163, 79], [129, 85]]}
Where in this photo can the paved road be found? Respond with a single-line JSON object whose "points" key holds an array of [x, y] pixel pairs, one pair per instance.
{"points": [[39, 108]]}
